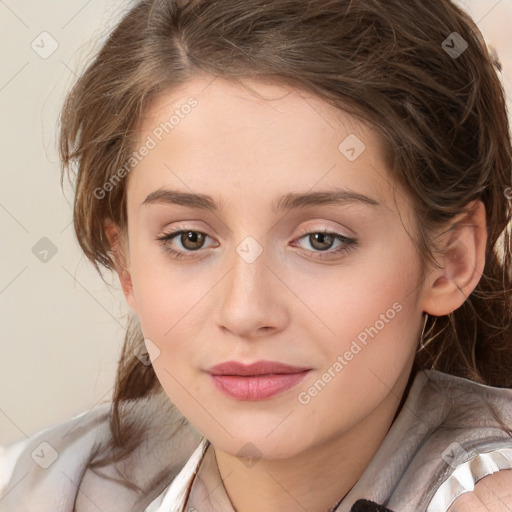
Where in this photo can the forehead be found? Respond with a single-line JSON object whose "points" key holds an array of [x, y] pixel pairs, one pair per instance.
{"points": [[216, 135], [256, 106]]}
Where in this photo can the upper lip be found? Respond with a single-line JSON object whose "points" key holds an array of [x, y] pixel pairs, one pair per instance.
{"points": [[257, 368]]}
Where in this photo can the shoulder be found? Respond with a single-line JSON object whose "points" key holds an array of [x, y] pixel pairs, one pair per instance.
{"points": [[491, 493], [46, 463], [9, 455], [50, 468], [455, 436]]}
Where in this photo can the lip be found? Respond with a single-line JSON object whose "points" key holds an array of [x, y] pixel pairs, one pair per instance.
{"points": [[257, 368], [256, 381]]}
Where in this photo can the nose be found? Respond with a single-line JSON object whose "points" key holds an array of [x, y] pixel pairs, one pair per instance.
{"points": [[251, 298]]}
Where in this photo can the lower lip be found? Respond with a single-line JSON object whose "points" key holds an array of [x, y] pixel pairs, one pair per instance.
{"points": [[257, 387]]}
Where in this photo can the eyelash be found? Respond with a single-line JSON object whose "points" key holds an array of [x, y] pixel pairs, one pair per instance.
{"points": [[349, 243]]}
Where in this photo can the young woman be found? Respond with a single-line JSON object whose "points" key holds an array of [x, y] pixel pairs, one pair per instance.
{"points": [[308, 207]]}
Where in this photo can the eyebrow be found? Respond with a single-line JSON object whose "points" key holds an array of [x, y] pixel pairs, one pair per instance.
{"points": [[290, 201]]}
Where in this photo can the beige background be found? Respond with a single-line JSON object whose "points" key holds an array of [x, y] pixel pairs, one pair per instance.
{"points": [[61, 327]]}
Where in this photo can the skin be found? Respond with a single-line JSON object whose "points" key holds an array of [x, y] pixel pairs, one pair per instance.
{"points": [[492, 493], [287, 305]]}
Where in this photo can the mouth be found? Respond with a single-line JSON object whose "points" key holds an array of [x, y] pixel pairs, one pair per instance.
{"points": [[256, 381]]}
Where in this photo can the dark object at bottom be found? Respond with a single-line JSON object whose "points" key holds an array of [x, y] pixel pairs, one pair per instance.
{"points": [[368, 506]]}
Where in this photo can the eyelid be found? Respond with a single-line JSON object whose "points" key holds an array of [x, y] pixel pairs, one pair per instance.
{"points": [[172, 233], [313, 229], [303, 231], [348, 243]]}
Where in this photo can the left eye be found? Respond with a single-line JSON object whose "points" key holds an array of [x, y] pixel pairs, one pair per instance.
{"points": [[322, 241]]}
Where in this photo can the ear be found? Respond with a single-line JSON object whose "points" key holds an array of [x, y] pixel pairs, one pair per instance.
{"points": [[462, 245], [119, 249]]}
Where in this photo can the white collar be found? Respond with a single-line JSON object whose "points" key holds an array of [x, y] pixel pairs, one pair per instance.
{"points": [[174, 498]]}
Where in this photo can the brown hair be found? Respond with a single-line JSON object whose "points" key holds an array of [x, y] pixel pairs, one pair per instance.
{"points": [[443, 119]]}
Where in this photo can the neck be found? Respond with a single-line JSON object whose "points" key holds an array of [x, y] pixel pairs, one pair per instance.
{"points": [[314, 479]]}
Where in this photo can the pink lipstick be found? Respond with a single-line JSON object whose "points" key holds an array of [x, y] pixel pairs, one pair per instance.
{"points": [[256, 381]]}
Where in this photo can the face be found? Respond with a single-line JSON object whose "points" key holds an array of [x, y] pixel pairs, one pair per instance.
{"points": [[299, 254]]}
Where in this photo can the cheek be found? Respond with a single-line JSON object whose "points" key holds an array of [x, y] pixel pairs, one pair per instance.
{"points": [[370, 336], [165, 295], [167, 307], [364, 300], [172, 307], [371, 351]]}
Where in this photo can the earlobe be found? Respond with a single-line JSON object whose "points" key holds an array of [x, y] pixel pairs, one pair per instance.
{"points": [[118, 250], [463, 247]]}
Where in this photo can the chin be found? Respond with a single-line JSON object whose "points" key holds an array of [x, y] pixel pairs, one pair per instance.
{"points": [[257, 443]]}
